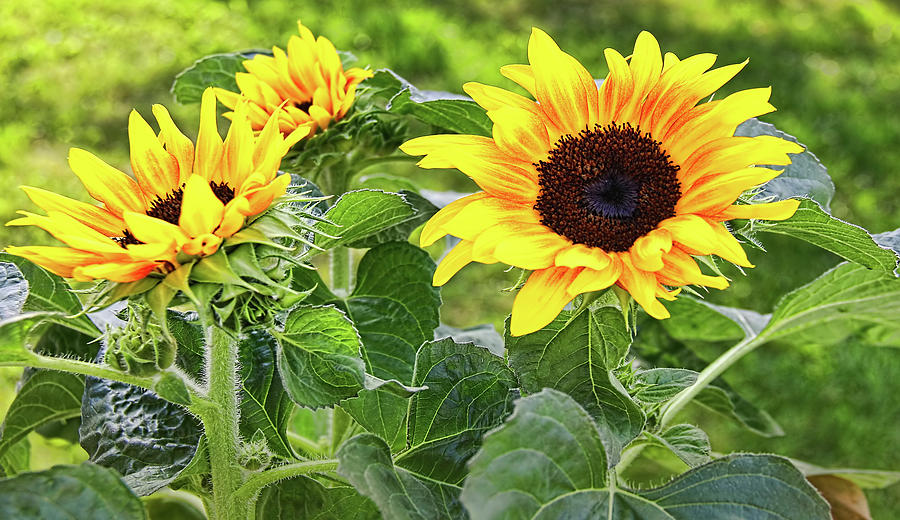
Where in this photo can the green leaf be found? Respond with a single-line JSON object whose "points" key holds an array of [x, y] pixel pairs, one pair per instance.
{"points": [[264, 404], [468, 392], [50, 293], [576, 354], [85, 491], [381, 413], [399, 232], [318, 357], [453, 112], [132, 430], [849, 295], [161, 507], [658, 385], [47, 396], [16, 459], [812, 224], [303, 497], [217, 70], [697, 320], [365, 460], [394, 307], [361, 214], [547, 461], [689, 443], [722, 399], [804, 177]]}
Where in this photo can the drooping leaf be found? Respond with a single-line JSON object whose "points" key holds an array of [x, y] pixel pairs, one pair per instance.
{"points": [[359, 215], [849, 294], [468, 392], [847, 500], [484, 335], [365, 460], [13, 290], [452, 112], [85, 491], [50, 293], [722, 399], [658, 385], [689, 443], [697, 320], [146, 439], [804, 177], [576, 355], [864, 478], [217, 70], [318, 357], [399, 232], [812, 224], [46, 397], [547, 461], [303, 497]]}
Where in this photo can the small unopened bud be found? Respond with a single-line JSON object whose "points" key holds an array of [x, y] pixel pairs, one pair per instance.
{"points": [[142, 347], [254, 454]]}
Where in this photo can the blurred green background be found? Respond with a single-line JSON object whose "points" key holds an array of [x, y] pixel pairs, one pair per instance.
{"points": [[70, 71]]}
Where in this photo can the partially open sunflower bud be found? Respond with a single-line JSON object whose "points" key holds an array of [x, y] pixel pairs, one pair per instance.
{"points": [[141, 347]]}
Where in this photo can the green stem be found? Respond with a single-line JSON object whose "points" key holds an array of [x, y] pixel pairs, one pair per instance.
{"points": [[340, 271], [704, 379], [220, 421], [257, 481], [82, 367]]}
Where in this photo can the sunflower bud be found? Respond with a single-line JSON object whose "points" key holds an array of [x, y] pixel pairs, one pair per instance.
{"points": [[254, 454], [142, 347]]}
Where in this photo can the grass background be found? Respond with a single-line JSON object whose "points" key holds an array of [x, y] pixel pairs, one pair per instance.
{"points": [[70, 70]]}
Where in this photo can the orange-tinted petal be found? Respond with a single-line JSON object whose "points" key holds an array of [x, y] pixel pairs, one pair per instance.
{"points": [[541, 299]]}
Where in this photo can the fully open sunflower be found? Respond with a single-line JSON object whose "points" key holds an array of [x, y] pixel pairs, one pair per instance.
{"points": [[181, 204], [621, 184], [307, 86]]}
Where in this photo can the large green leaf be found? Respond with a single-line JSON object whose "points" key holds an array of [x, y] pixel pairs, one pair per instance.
{"points": [[265, 405], [145, 438], [362, 214], [395, 308], [697, 320], [48, 292], [804, 177], [217, 70], [400, 494], [382, 413], [85, 491], [812, 224], [576, 354], [548, 461], [303, 497], [689, 443], [484, 335], [318, 356], [468, 391], [399, 232], [47, 396], [16, 459], [848, 296]]}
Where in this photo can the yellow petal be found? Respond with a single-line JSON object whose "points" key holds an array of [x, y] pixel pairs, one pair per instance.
{"points": [[155, 169], [176, 143], [705, 238], [97, 218], [590, 280], [58, 260], [520, 133], [261, 198], [106, 184], [529, 246], [237, 159], [541, 299], [492, 98], [714, 193], [521, 75], [486, 212], [208, 157], [642, 287], [647, 251], [566, 91], [201, 210], [617, 87], [68, 230], [682, 269], [780, 210], [153, 230], [646, 66], [203, 245], [580, 255], [434, 228], [457, 258], [233, 218], [114, 271]]}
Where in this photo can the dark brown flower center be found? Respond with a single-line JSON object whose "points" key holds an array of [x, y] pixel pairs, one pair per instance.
{"points": [[606, 187], [168, 208]]}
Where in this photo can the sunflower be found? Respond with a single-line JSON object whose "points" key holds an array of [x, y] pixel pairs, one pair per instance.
{"points": [[307, 86], [181, 204], [591, 186]]}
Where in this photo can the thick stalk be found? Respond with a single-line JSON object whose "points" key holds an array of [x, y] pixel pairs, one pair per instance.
{"points": [[220, 422], [340, 271], [82, 367]]}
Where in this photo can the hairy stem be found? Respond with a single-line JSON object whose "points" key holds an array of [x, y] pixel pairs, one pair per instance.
{"points": [[220, 421], [247, 492], [85, 368]]}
